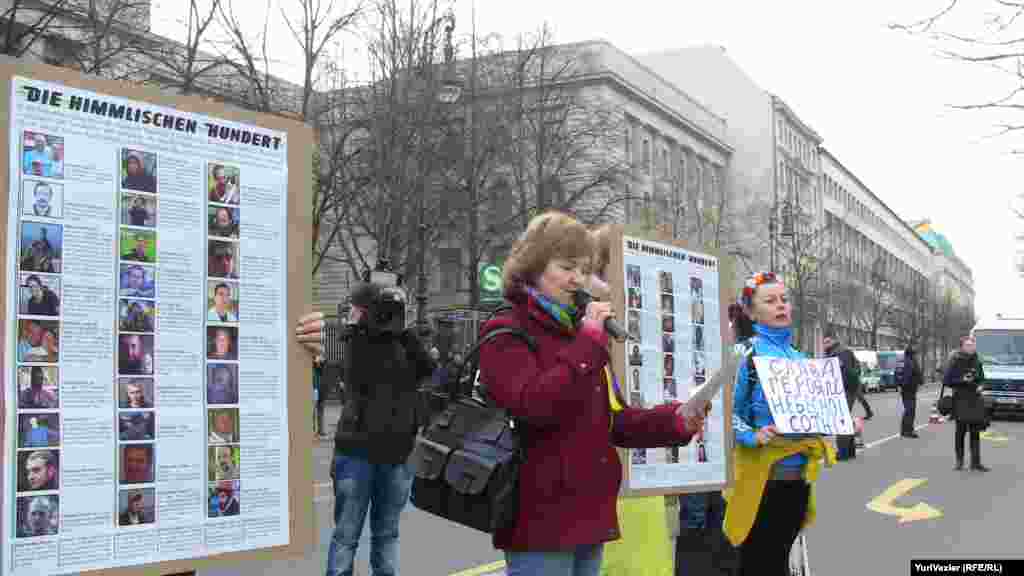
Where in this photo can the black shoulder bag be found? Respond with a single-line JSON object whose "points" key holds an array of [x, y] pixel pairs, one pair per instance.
{"points": [[467, 459]]}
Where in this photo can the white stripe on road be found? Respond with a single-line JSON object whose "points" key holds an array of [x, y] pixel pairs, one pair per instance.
{"points": [[894, 436]]}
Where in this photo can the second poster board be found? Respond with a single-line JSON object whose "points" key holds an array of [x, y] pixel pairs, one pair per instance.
{"points": [[674, 302]]}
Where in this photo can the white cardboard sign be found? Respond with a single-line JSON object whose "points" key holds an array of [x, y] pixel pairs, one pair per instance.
{"points": [[805, 396]]}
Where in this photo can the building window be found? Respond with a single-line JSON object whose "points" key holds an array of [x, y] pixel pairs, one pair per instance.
{"points": [[645, 155]]}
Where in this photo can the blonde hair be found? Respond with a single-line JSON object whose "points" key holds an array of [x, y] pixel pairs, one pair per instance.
{"points": [[548, 236], [603, 237]]}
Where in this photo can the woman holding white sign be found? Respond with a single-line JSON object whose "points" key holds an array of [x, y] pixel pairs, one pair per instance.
{"points": [[772, 498]]}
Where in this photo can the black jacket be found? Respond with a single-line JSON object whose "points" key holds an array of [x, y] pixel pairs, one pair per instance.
{"points": [[381, 412], [911, 378], [850, 367], [965, 375]]}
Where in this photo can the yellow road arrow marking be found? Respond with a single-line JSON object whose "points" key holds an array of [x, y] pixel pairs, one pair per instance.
{"points": [[884, 503], [995, 437]]}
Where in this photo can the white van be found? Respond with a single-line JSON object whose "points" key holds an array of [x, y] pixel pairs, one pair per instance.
{"points": [[1001, 350], [868, 370]]}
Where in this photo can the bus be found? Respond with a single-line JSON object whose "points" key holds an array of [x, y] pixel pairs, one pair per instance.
{"points": [[1001, 351], [890, 362], [869, 374]]}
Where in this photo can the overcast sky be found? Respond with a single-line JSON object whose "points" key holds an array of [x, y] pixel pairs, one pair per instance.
{"points": [[879, 98]]}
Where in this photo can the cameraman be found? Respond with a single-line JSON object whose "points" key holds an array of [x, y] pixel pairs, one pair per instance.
{"points": [[383, 365]]}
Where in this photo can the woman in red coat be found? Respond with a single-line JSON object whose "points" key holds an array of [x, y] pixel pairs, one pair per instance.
{"points": [[570, 478]]}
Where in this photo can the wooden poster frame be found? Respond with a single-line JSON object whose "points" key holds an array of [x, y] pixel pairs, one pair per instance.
{"points": [[300, 142], [726, 293]]}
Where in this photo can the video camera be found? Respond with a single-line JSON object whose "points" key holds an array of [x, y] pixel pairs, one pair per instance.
{"points": [[384, 300]]}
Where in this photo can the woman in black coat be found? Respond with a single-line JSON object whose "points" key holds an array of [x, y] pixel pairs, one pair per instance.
{"points": [[965, 375]]}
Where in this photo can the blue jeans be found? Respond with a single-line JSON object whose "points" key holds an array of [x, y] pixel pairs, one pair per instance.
{"points": [[585, 560], [357, 485]]}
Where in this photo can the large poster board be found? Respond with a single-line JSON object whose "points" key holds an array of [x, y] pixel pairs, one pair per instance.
{"points": [[673, 300], [154, 262]]}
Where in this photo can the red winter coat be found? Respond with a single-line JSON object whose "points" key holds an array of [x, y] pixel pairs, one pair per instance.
{"points": [[570, 479]]}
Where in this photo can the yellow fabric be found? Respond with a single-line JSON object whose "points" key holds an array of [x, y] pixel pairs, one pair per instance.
{"points": [[753, 466], [645, 548], [613, 400]]}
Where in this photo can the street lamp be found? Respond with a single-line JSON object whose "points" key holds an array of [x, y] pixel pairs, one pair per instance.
{"points": [[447, 94]]}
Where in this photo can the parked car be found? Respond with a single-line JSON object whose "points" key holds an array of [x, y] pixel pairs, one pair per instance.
{"points": [[890, 362], [869, 374]]}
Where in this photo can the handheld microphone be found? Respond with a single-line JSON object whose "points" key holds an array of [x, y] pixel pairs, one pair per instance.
{"points": [[581, 298]]}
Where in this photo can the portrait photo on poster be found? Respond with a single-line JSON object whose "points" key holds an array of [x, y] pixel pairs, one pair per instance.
{"points": [[41, 247], [137, 281], [668, 324], [136, 315], [223, 259], [222, 342], [696, 288], [222, 301], [667, 304], [135, 393], [665, 281], [138, 210], [668, 343], [138, 170], [635, 357], [223, 425], [38, 387], [42, 155], [224, 182], [136, 506], [38, 341], [633, 276], [224, 462], [38, 516], [38, 470], [38, 430], [42, 199], [221, 383], [138, 245], [225, 498], [137, 463], [633, 325], [39, 294], [136, 425], [223, 221], [135, 354]]}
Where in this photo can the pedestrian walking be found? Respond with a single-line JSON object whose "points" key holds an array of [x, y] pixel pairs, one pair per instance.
{"points": [[771, 500], [910, 383], [965, 375]]}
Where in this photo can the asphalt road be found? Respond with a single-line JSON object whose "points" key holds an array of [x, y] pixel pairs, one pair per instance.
{"points": [[980, 513]]}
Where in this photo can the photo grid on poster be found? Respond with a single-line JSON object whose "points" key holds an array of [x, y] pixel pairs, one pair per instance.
{"points": [[223, 255], [671, 295], [136, 347], [40, 230]]}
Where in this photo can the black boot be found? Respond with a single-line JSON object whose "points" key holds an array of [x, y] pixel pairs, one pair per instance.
{"points": [[958, 447], [976, 451]]}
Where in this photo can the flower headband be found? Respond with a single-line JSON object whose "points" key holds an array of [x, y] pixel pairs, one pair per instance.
{"points": [[751, 284]]}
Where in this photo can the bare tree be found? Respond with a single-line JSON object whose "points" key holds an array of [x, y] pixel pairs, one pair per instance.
{"points": [[250, 57], [101, 37], [806, 252], [400, 132], [25, 22], [877, 304], [996, 43], [183, 67], [317, 26]]}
